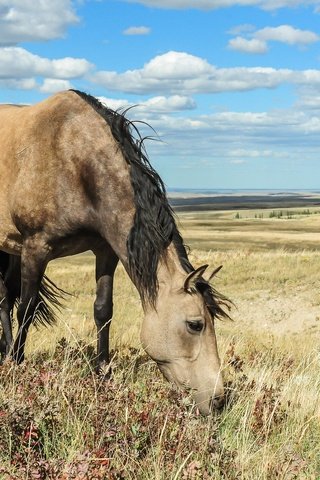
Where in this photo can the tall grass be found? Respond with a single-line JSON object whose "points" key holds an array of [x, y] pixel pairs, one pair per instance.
{"points": [[58, 420]]}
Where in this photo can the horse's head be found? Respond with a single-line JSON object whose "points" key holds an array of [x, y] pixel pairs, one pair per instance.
{"points": [[179, 335]]}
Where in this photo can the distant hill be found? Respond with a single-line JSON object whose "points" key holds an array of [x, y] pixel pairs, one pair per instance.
{"points": [[197, 201]]}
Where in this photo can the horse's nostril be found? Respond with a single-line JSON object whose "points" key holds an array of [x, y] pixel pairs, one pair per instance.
{"points": [[217, 403]]}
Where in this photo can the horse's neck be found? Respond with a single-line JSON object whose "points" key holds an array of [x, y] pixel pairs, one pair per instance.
{"points": [[170, 272], [115, 214]]}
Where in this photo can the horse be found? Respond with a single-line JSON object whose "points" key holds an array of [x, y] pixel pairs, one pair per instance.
{"points": [[75, 176]]}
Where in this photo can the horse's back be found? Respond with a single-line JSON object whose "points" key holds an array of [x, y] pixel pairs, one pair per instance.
{"points": [[36, 160], [54, 157]]}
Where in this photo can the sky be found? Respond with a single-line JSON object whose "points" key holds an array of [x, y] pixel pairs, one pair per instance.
{"points": [[231, 87]]}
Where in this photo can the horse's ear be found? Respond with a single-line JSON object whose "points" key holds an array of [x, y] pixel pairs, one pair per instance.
{"points": [[214, 273], [193, 278]]}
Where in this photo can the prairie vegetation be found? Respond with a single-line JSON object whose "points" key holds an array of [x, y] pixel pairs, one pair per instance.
{"points": [[59, 421], [253, 230]]}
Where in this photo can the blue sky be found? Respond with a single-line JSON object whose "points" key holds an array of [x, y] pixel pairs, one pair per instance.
{"points": [[232, 87]]}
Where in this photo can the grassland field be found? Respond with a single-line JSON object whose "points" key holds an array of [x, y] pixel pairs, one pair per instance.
{"points": [[59, 421]]}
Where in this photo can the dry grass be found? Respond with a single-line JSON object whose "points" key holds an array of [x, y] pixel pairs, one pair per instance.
{"points": [[58, 421], [255, 230]]}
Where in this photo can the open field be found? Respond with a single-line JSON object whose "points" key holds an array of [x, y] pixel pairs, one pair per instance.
{"points": [[291, 229], [58, 421]]}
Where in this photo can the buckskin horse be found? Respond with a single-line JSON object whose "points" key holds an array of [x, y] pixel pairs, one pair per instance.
{"points": [[75, 176]]}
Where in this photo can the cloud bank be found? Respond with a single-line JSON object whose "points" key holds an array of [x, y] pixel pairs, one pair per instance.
{"points": [[215, 4], [34, 20], [185, 74], [257, 41]]}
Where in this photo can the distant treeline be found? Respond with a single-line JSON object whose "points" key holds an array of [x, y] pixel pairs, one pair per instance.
{"points": [[281, 214], [242, 202]]}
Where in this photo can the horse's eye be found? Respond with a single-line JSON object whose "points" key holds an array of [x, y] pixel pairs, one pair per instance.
{"points": [[194, 326]]}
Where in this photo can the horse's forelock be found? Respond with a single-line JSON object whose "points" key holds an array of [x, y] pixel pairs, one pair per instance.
{"points": [[215, 302]]}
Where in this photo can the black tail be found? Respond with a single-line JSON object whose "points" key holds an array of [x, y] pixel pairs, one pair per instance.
{"points": [[49, 301], [49, 297], [4, 262]]}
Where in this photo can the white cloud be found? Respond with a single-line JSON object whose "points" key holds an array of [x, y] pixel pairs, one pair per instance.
{"points": [[183, 74], [252, 153], [167, 72], [256, 42], [173, 103], [16, 62], [153, 105], [174, 65], [68, 67], [23, 84], [115, 103], [34, 20], [243, 28], [287, 34], [214, 4], [242, 155], [275, 4], [137, 31], [311, 102], [163, 73], [253, 45], [309, 99], [53, 85], [312, 126]]}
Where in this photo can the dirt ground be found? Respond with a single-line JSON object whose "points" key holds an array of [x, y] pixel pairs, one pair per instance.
{"points": [[279, 314]]}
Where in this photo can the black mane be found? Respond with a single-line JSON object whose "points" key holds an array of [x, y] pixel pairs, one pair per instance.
{"points": [[154, 225]]}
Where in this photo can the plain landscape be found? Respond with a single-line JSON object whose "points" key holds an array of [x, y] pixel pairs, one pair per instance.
{"points": [[58, 420]]}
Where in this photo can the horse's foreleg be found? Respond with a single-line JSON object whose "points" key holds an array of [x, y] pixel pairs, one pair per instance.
{"points": [[33, 264], [106, 262]]}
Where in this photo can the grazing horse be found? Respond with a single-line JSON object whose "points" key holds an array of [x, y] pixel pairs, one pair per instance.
{"points": [[74, 177]]}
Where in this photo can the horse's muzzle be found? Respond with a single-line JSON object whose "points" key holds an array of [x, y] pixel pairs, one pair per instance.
{"points": [[217, 403]]}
